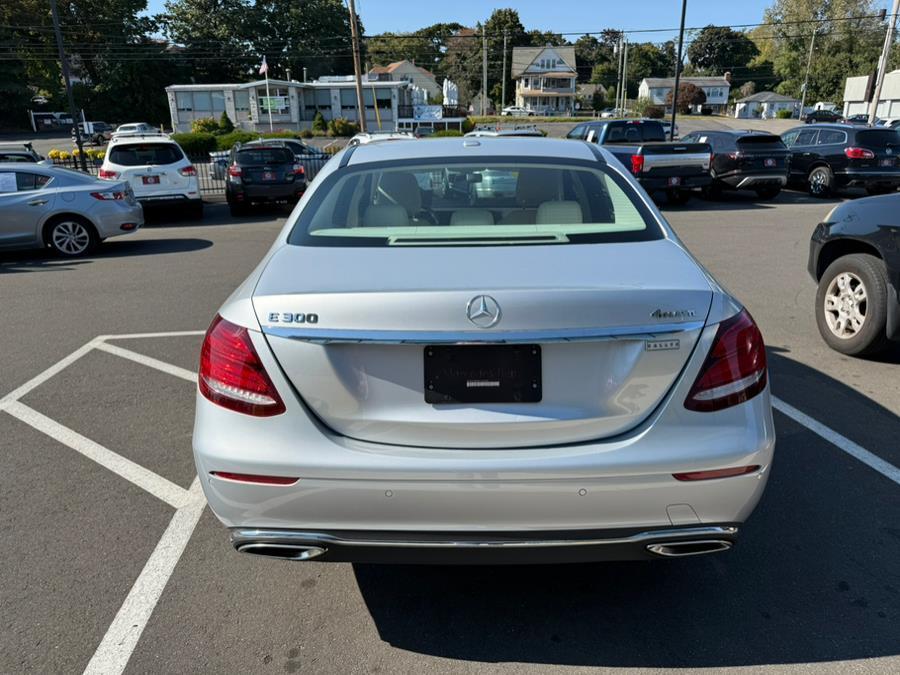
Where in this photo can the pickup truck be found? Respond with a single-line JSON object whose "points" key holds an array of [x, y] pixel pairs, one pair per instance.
{"points": [[95, 133], [678, 169]]}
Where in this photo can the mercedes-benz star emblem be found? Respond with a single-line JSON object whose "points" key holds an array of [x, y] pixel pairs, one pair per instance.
{"points": [[483, 311]]}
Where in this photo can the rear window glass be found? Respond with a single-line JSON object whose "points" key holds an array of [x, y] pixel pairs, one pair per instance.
{"points": [[761, 142], [635, 132], [466, 204], [145, 153], [832, 137], [12, 157], [878, 138], [248, 156]]}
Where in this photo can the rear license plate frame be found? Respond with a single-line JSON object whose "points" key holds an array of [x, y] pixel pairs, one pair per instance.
{"points": [[150, 180], [887, 162], [268, 176], [674, 181], [769, 163], [492, 373]]}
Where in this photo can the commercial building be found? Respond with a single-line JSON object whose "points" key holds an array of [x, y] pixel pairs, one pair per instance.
{"points": [[858, 92]]}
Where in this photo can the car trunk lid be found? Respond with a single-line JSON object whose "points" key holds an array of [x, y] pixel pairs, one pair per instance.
{"points": [[613, 326]]}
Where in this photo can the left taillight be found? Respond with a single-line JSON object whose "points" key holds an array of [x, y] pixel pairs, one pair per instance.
{"points": [[735, 368], [232, 374], [299, 170], [106, 174], [637, 164]]}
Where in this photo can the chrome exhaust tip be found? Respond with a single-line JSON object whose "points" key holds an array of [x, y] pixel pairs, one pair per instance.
{"points": [[680, 549], [281, 551]]}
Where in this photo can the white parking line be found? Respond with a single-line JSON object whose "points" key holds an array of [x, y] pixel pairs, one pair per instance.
{"points": [[121, 638], [139, 336], [149, 361], [855, 450], [159, 487]]}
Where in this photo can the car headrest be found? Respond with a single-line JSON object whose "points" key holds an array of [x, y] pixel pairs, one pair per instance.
{"points": [[400, 187], [534, 186], [472, 217], [386, 215], [559, 213]]}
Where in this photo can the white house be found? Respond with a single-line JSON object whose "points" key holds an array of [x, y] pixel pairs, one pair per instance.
{"points": [[716, 89], [407, 71], [293, 104], [858, 91], [545, 78], [765, 105]]}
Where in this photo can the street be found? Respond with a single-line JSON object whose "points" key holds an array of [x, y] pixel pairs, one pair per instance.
{"points": [[114, 559]]}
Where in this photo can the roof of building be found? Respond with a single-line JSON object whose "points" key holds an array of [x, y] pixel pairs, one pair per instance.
{"points": [[391, 67], [719, 81], [341, 84], [767, 97], [522, 57]]}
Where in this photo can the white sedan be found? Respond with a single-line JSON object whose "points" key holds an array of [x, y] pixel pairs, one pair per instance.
{"points": [[516, 111], [423, 371]]}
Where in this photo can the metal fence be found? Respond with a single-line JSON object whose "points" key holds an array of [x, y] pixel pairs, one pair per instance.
{"points": [[212, 169]]}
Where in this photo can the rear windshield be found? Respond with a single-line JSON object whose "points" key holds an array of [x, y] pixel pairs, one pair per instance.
{"points": [[635, 132], [249, 156], [145, 153], [878, 138], [466, 204], [761, 142]]}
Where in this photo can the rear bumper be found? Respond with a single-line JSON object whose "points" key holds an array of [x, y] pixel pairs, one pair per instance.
{"points": [[685, 182], [272, 193], [744, 181], [864, 177], [484, 548], [113, 215], [164, 201]]}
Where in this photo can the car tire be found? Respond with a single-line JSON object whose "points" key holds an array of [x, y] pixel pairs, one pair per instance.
{"points": [[820, 182], [768, 192], [677, 197], [71, 236], [853, 285]]}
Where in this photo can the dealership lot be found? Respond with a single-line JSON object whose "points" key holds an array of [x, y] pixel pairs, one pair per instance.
{"points": [[115, 561]]}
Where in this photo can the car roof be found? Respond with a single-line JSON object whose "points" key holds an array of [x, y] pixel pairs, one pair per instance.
{"points": [[137, 139], [443, 148]]}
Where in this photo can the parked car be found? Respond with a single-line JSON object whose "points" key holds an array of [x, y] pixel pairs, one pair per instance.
{"points": [[263, 171], [95, 133], [135, 129], [854, 258], [19, 152], [667, 128], [366, 137], [859, 119], [402, 379], [641, 146], [827, 157], [158, 171], [68, 211], [822, 116], [517, 111], [311, 158], [424, 132], [745, 160], [512, 132]]}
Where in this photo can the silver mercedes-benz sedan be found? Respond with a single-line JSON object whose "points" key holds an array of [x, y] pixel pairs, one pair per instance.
{"points": [[69, 211], [423, 371]]}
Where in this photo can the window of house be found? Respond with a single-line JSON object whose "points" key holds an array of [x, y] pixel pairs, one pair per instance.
{"points": [[242, 100], [218, 101], [348, 99], [203, 101], [184, 100]]}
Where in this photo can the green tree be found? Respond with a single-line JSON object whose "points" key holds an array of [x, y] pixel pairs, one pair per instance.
{"points": [[589, 52], [716, 50], [318, 123], [226, 126], [688, 95]]}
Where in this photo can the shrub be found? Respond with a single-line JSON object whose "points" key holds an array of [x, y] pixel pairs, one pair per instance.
{"points": [[468, 125], [226, 141], [207, 125], [225, 125], [318, 123], [306, 133], [444, 133], [654, 112], [196, 143], [342, 128], [784, 114]]}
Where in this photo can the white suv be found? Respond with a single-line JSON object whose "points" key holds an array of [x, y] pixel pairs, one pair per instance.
{"points": [[157, 169]]}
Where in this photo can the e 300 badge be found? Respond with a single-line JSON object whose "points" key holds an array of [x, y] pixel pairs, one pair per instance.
{"points": [[289, 317]]}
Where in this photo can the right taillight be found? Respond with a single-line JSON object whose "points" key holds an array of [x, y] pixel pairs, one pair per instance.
{"points": [[232, 374], [735, 368]]}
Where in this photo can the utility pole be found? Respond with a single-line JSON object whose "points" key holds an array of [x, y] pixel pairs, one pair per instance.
{"points": [[883, 62], [812, 44], [288, 74], [67, 77], [503, 95], [354, 34], [304, 73], [625, 78], [677, 70], [483, 71]]}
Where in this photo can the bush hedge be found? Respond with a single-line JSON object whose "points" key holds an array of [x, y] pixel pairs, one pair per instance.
{"points": [[196, 143], [208, 125], [342, 127], [203, 142], [444, 133], [784, 114]]}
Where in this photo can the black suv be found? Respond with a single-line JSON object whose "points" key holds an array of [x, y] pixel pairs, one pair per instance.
{"points": [[826, 157], [822, 116], [263, 171], [745, 160]]}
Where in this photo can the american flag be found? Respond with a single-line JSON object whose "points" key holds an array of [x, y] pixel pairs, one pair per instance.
{"points": [[264, 68]]}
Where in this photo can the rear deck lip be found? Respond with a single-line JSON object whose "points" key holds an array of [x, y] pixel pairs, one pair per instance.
{"points": [[543, 336]]}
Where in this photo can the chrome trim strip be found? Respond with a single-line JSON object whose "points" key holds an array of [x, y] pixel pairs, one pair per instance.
{"points": [[329, 336], [242, 537], [762, 178]]}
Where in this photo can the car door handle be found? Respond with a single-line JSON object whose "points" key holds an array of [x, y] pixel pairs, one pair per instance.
{"points": [[37, 202]]}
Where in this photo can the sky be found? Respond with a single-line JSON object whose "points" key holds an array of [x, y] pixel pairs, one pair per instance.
{"points": [[559, 16]]}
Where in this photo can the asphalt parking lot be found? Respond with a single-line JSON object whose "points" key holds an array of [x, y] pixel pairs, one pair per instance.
{"points": [[112, 562]]}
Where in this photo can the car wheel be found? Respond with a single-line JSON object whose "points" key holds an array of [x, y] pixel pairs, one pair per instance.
{"points": [[72, 236], [768, 192], [851, 305], [677, 197], [820, 181]]}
